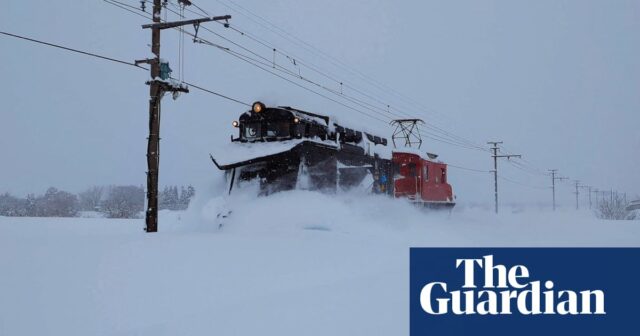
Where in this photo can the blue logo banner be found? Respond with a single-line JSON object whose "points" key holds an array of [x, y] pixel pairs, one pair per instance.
{"points": [[524, 291]]}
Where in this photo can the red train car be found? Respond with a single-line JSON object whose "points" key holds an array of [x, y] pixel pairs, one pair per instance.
{"points": [[421, 180]]}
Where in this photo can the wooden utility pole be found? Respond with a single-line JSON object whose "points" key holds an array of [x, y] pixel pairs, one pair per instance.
{"points": [[160, 84], [495, 156], [555, 178]]}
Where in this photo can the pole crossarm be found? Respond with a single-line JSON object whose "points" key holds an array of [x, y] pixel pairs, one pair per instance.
{"points": [[167, 25]]}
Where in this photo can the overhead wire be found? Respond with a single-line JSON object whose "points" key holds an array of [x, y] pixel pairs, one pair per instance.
{"points": [[520, 183], [263, 64], [444, 137], [115, 60], [333, 77], [316, 51]]}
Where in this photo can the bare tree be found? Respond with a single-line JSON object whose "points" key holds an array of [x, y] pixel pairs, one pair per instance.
{"points": [[123, 202], [90, 198], [614, 208]]}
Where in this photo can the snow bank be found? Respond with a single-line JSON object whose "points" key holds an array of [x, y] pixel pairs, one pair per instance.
{"points": [[294, 263]]}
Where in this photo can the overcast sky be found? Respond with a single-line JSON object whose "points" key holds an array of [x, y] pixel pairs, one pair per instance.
{"points": [[557, 81]]}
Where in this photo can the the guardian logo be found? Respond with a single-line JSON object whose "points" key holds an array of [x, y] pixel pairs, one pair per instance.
{"points": [[505, 291]]}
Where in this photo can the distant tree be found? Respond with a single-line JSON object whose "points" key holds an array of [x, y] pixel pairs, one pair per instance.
{"points": [[123, 202], [57, 203], [614, 208], [163, 199], [31, 206], [175, 199], [169, 198], [12, 206], [90, 198], [186, 194]]}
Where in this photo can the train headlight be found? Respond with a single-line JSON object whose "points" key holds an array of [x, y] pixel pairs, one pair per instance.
{"points": [[235, 123], [296, 120], [257, 107]]}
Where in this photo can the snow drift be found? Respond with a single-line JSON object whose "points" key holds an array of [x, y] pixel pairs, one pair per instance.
{"points": [[293, 263]]}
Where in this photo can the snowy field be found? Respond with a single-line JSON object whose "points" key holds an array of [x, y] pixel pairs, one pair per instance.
{"points": [[295, 263]]}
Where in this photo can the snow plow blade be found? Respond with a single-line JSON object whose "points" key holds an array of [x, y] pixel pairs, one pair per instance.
{"points": [[246, 162], [307, 164]]}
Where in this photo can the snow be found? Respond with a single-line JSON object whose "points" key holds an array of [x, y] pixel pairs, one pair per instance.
{"points": [[238, 152], [293, 263]]}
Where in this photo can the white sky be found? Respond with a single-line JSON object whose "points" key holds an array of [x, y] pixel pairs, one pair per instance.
{"points": [[558, 81]]}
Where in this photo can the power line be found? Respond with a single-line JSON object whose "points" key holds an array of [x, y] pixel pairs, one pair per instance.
{"points": [[305, 45], [217, 94], [445, 137], [299, 62], [520, 183], [265, 64], [261, 65], [115, 60], [468, 169], [124, 6], [73, 50]]}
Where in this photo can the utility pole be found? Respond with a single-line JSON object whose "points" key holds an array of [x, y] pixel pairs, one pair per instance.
{"points": [[595, 191], [577, 192], [588, 188], [160, 84], [555, 178], [495, 156]]}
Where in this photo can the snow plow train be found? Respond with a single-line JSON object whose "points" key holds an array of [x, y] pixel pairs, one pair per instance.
{"points": [[286, 148]]}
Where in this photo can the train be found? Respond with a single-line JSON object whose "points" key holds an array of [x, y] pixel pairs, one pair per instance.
{"points": [[284, 148]]}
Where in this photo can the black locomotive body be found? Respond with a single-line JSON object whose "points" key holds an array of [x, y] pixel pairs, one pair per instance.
{"points": [[316, 153]]}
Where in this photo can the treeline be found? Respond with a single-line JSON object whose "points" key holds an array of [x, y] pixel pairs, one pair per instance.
{"points": [[110, 201]]}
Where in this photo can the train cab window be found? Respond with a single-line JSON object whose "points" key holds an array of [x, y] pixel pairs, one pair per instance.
{"points": [[252, 131], [278, 129], [412, 170], [444, 175], [406, 170], [425, 172]]}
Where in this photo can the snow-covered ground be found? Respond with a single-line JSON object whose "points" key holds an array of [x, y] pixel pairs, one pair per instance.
{"points": [[294, 263]]}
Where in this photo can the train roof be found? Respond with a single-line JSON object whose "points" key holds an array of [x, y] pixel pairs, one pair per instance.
{"points": [[422, 154], [306, 115], [326, 120]]}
